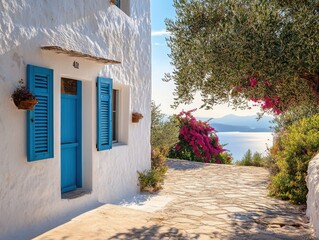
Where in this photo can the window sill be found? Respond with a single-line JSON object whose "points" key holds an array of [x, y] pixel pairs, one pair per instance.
{"points": [[119, 144]]}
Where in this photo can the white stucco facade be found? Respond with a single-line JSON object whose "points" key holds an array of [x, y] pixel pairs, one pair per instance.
{"points": [[30, 192], [313, 194]]}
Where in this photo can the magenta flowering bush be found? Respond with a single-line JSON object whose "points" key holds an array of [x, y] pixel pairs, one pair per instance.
{"points": [[197, 141], [267, 100], [267, 103]]}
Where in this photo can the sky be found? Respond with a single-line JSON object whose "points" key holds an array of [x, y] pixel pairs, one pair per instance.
{"points": [[162, 92]]}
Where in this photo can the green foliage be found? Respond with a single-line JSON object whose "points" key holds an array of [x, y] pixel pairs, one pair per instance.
{"points": [[271, 163], [218, 45], [159, 158], [151, 180], [226, 157], [289, 117], [292, 151], [250, 159], [163, 133]]}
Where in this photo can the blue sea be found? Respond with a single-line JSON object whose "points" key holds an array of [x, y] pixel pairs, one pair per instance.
{"points": [[239, 142]]}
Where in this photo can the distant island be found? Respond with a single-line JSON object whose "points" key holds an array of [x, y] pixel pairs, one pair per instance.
{"points": [[234, 123]]}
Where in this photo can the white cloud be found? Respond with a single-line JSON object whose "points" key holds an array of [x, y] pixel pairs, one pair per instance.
{"points": [[158, 44], [162, 32]]}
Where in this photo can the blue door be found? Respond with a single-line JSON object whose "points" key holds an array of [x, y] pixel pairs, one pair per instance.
{"points": [[71, 134]]}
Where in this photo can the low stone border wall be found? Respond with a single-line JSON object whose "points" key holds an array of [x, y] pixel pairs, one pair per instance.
{"points": [[313, 194]]}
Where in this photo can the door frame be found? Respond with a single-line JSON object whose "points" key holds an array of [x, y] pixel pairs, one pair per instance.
{"points": [[79, 135]]}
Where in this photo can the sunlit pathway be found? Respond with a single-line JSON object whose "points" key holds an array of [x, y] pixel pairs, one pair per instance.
{"points": [[228, 202], [198, 201]]}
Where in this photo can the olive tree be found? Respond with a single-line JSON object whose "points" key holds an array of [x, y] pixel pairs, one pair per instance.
{"points": [[233, 51], [164, 133]]}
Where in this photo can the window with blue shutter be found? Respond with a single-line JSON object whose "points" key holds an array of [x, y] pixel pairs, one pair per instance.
{"points": [[118, 3], [40, 120], [104, 113]]}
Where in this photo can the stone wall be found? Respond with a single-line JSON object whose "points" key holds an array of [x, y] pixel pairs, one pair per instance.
{"points": [[313, 194]]}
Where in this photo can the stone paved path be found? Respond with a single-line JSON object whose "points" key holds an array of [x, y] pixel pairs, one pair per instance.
{"points": [[228, 202], [205, 201]]}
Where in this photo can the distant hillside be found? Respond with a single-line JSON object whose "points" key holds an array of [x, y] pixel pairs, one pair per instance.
{"points": [[233, 128], [234, 123]]}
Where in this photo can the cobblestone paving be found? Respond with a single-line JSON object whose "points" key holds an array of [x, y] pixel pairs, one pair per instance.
{"points": [[207, 201], [223, 202]]}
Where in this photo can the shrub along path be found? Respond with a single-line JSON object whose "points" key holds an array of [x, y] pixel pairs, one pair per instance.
{"points": [[208, 201]]}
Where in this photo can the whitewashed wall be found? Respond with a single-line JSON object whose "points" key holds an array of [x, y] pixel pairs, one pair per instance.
{"points": [[30, 196], [313, 193]]}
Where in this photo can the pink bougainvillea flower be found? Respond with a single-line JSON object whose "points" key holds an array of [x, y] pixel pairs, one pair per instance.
{"points": [[267, 83], [197, 136], [188, 113], [239, 88], [268, 103], [255, 99], [275, 100], [253, 81], [277, 111], [218, 161], [178, 147]]}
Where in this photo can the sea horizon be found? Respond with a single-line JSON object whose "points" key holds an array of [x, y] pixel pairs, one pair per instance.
{"points": [[237, 143]]}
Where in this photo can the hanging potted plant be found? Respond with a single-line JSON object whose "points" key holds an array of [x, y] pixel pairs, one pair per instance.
{"points": [[136, 117], [23, 98]]}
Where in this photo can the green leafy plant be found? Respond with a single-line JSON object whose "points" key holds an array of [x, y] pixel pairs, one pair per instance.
{"points": [[291, 153], [249, 159], [159, 158], [226, 157], [152, 180], [164, 133], [289, 117]]}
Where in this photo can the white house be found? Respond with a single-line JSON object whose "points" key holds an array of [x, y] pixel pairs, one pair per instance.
{"points": [[88, 64]]}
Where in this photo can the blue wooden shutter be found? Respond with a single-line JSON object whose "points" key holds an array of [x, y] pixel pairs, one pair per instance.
{"points": [[104, 113], [40, 120], [118, 3]]}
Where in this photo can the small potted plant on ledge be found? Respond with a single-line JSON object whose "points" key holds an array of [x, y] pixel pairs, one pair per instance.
{"points": [[136, 117], [23, 98]]}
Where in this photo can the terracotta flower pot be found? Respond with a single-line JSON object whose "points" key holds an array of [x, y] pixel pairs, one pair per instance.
{"points": [[26, 104], [136, 117]]}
